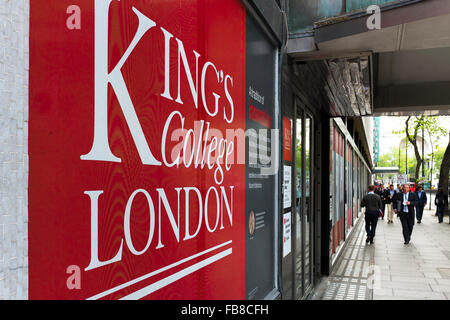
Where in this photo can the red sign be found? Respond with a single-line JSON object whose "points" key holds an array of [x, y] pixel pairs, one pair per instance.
{"points": [[257, 115], [287, 139], [134, 189]]}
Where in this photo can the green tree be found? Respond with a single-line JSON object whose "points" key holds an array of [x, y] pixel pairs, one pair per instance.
{"points": [[414, 126], [388, 159], [395, 157]]}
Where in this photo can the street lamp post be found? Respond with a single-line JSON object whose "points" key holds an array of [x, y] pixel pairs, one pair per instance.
{"points": [[406, 159], [423, 153], [430, 166]]}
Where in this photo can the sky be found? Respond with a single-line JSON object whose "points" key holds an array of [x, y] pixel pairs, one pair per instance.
{"points": [[389, 139]]}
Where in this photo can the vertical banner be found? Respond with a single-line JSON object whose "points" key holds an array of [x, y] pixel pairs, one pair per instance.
{"points": [[260, 187], [135, 188], [287, 139]]}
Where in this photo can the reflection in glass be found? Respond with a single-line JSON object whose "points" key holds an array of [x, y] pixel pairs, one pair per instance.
{"points": [[298, 189], [308, 202]]}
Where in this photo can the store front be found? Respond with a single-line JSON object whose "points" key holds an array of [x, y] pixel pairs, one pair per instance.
{"points": [[299, 205], [324, 174], [349, 178]]}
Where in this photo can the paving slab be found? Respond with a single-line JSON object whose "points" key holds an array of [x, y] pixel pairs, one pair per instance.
{"points": [[405, 285], [434, 275], [440, 288], [409, 279], [444, 273], [383, 292], [381, 297], [423, 295]]}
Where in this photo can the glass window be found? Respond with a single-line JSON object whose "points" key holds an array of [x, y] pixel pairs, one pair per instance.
{"points": [[308, 202], [298, 229]]}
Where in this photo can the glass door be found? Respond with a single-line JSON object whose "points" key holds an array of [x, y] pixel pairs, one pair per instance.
{"points": [[307, 218], [298, 208], [304, 203]]}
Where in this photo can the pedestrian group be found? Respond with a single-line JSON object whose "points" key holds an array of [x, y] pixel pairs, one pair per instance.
{"points": [[407, 205]]}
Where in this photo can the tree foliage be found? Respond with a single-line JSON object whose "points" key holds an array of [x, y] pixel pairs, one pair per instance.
{"points": [[414, 126]]}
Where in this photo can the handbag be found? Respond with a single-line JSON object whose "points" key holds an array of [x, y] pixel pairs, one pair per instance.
{"points": [[380, 213]]}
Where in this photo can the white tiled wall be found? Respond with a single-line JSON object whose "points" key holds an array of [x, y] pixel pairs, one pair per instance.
{"points": [[14, 31]]}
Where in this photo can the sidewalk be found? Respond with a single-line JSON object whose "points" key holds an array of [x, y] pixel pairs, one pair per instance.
{"points": [[420, 270]]}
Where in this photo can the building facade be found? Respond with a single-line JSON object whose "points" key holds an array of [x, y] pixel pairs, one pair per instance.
{"points": [[152, 150]]}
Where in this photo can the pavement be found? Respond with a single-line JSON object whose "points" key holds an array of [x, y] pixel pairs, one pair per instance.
{"points": [[389, 269]]}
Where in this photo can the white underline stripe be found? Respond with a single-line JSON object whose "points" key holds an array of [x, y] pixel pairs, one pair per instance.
{"points": [[176, 276], [153, 273]]}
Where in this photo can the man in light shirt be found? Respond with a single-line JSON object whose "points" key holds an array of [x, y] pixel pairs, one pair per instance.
{"points": [[406, 212]]}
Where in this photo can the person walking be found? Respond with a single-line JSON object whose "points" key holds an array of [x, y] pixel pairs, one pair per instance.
{"points": [[406, 212], [397, 199], [398, 195], [372, 202], [385, 193], [378, 189], [422, 197], [382, 193], [391, 197], [441, 201]]}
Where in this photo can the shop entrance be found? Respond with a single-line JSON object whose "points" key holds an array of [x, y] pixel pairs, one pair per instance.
{"points": [[304, 201]]}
